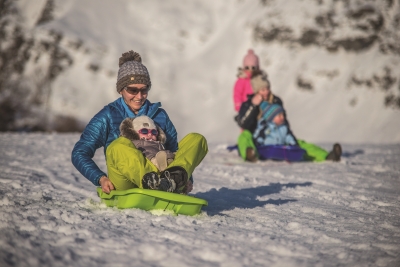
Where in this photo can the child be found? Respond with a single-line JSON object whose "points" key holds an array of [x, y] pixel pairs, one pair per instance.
{"points": [[148, 138], [243, 86], [271, 128]]}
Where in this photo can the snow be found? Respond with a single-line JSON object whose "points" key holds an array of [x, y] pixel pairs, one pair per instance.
{"points": [[264, 214]]}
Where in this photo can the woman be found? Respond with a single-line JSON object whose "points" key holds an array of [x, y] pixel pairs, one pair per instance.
{"points": [[250, 112], [133, 84]]}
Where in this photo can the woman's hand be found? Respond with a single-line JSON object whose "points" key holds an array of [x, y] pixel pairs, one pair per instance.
{"points": [[106, 184], [257, 99]]}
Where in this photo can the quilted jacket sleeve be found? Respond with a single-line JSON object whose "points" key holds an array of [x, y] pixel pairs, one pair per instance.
{"points": [[172, 135], [93, 137]]}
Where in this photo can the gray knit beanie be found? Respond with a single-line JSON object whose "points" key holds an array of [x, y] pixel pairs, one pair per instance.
{"points": [[131, 71]]}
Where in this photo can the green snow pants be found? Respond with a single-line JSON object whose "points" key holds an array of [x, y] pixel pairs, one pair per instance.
{"points": [[127, 165], [313, 152], [245, 140]]}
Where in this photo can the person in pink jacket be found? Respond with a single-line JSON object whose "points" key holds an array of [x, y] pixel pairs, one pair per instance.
{"points": [[243, 85]]}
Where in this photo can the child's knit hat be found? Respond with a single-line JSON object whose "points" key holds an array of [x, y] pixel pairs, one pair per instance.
{"points": [[131, 71], [250, 59], [260, 81], [271, 111]]}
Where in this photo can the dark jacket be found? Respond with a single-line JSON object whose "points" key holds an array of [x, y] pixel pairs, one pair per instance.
{"points": [[249, 113]]}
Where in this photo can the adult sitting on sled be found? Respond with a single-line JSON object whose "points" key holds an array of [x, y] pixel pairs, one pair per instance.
{"points": [[251, 111], [133, 84]]}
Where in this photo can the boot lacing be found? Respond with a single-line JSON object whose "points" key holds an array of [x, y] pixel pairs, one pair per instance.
{"points": [[167, 175]]}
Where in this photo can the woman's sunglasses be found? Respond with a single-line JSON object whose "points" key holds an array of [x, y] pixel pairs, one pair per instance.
{"points": [[147, 131], [250, 67], [135, 91]]}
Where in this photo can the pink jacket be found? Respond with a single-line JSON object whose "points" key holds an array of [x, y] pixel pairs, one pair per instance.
{"points": [[241, 90]]}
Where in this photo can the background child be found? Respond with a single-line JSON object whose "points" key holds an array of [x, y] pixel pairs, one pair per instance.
{"points": [[148, 138], [243, 86], [271, 128]]}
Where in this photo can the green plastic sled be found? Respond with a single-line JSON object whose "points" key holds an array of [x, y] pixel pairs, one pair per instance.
{"points": [[146, 199]]}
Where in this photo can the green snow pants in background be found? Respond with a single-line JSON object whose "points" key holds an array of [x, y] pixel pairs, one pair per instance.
{"points": [[245, 140], [126, 165], [313, 152]]}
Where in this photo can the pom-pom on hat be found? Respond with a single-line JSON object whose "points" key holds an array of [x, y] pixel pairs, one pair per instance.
{"points": [[260, 81], [131, 71], [271, 111], [250, 59]]}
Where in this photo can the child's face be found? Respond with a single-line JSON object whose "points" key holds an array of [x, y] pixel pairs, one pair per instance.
{"points": [[149, 136], [249, 70], [279, 119]]}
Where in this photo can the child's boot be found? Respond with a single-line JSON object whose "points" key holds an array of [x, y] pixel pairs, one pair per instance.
{"points": [[161, 160], [151, 181]]}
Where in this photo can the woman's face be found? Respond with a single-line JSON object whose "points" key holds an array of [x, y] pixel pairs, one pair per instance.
{"points": [[135, 95], [264, 92]]}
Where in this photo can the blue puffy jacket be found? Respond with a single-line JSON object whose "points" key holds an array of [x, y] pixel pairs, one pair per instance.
{"points": [[268, 133], [103, 128]]}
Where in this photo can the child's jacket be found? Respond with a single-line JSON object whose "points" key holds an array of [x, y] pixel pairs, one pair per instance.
{"points": [[151, 148], [241, 89], [268, 133]]}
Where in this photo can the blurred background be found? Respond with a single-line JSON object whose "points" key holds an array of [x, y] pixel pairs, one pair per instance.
{"points": [[334, 63]]}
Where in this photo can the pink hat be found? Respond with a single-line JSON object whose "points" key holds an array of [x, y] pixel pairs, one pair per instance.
{"points": [[250, 59]]}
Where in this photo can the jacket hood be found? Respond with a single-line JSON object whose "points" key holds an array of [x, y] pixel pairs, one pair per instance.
{"points": [[242, 74], [127, 131]]}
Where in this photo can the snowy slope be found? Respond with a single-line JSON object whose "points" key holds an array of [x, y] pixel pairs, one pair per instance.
{"points": [[263, 214], [333, 88]]}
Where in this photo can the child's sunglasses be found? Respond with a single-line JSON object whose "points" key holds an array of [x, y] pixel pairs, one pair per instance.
{"points": [[135, 91], [147, 131], [250, 67]]}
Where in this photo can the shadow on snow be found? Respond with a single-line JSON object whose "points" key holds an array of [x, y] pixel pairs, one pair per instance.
{"points": [[352, 154], [247, 198]]}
